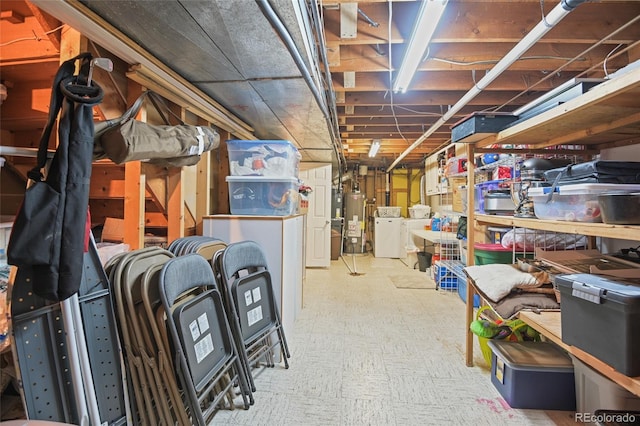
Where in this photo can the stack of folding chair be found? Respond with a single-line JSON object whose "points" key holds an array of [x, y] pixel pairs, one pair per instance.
{"points": [[154, 398], [254, 316], [207, 247], [206, 358]]}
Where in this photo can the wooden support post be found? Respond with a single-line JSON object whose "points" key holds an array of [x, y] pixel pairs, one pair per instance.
{"points": [[203, 177], [470, 242], [134, 191], [175, 204], [220, 192]]}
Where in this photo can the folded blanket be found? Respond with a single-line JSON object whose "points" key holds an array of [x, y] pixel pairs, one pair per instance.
{"points": [[508, 307], [497, 280]]}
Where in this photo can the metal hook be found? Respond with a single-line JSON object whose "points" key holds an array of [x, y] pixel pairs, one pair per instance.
{"points": [[104, 63]]}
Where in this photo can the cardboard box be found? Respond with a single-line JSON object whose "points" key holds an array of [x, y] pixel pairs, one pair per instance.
{"points": [[113, 230], [458, 186]]}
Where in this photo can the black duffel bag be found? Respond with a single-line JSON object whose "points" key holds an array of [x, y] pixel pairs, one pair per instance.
{"points": [[599, 171]]}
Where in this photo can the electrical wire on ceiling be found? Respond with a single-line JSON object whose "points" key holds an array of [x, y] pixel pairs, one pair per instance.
{"points": [[582, 54], [428, 114], [533, 36], [495, 61], [35, 37], [604, 64]]}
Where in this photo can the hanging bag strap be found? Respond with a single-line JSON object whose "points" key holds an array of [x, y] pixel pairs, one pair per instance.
{"points": [[66, 70], [160, 105], [133, 110]]}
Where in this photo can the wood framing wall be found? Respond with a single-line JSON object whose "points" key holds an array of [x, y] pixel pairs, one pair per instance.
{"points": [[164, 202]]}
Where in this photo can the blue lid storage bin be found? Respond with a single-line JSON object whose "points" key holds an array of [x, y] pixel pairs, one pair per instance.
{"points": [[262, 196], [481, 189], [535, 375], [269, 158]]}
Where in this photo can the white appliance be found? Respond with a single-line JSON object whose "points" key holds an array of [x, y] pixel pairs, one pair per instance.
{"points": [[388, 241]]}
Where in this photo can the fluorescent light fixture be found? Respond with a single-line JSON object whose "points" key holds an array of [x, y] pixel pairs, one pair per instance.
{"points": [[375, 146], [428, 18]]}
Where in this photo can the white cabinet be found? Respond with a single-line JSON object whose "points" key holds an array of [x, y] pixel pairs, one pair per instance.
{"points": [[282, 239], [433, 185]]}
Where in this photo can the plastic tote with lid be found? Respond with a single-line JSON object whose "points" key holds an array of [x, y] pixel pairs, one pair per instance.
{"points": [[535, 375]]}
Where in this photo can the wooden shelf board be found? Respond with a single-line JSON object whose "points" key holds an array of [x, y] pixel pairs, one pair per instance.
{"points": [[626, 232], [606, 112], [549, 325]]}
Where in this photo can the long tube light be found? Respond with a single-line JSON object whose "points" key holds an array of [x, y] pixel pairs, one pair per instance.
{"points": [[375, 146], [428, 18], [551, 20]]}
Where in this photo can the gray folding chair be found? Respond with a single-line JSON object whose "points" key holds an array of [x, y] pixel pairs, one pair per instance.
{"points": [[144, 412], [255, 322], [205, 356]]}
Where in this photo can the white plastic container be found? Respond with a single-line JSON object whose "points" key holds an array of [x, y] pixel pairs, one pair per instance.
{"points": [[391, 211], [419, 212], [574, 203]]}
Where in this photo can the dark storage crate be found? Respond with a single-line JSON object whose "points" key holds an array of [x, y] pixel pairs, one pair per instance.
{"points": [[479, 125], [535, 375], [602, 317]]}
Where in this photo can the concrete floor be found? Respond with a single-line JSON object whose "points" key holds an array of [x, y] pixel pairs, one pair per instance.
{"points": [[366, 351]]}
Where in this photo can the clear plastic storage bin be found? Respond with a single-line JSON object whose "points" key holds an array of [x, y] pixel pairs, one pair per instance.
{"points": [[575, 203], [262, 196], [272, 158]]}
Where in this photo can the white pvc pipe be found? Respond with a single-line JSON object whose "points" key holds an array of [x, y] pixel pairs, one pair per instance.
{"points": [[551, 20]]}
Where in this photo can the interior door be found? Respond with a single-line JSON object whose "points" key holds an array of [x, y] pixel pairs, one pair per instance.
{"points": [[318, 241]]}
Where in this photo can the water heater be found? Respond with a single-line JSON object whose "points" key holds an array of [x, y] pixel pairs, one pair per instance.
{"points": [[354, 220]]}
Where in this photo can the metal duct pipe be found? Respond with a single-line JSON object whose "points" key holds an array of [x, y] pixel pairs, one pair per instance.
{"points": [[317, 20], [387, 189], [282, 31], [550, 21]]}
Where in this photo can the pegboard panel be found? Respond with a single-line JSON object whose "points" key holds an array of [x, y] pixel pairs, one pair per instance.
{"points": [[103, 345], [40, 347]]}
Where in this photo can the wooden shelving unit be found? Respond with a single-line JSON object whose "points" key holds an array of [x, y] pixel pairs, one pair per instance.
{"points": [[607, 116]]}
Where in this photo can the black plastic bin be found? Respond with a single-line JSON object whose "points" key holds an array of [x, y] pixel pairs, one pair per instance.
{"points": [[424, 260]]}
